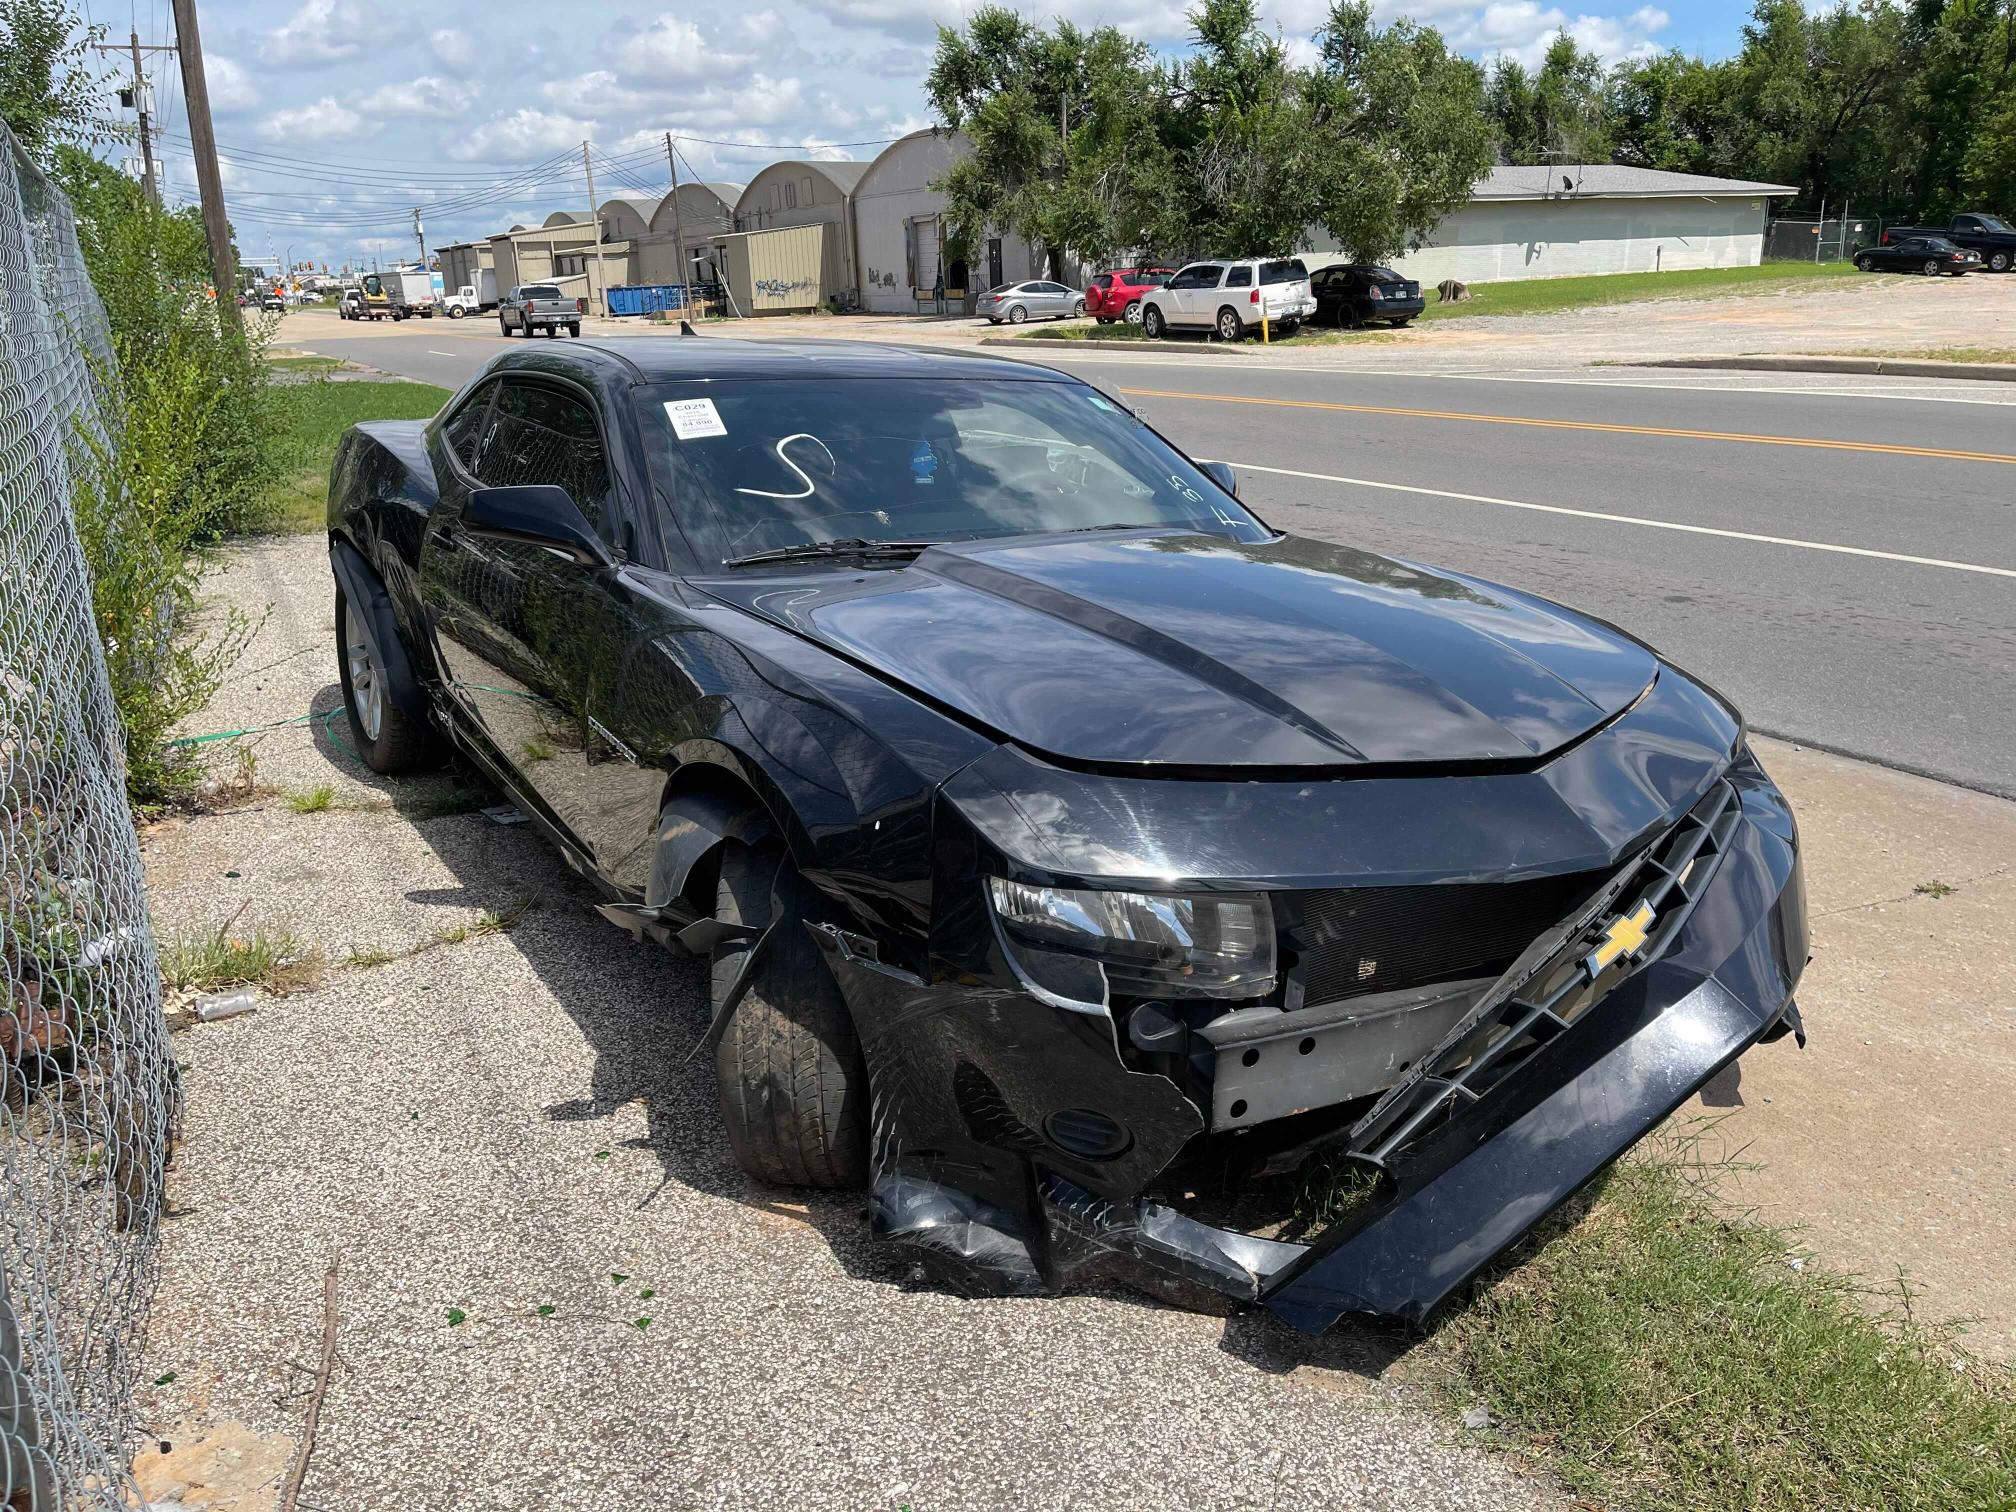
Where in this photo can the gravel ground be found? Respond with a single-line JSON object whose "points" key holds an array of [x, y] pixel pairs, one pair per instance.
{"points": [[508, 1125]]}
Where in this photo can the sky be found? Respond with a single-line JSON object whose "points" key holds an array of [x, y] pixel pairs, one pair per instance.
{"points": [[335, 118]]}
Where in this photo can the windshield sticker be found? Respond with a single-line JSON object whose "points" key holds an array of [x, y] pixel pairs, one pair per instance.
{"points": [[924, 464], [1104, 403], [692, 418]]}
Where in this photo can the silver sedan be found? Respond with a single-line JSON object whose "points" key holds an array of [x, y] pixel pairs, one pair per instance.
{"points": [[1016, 303]]}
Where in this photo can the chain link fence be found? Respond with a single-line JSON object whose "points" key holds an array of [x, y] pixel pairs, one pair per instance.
{"points": [[1797, 239], [86, 1079]]}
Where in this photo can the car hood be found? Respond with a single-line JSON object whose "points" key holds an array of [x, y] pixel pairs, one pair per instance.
{"points": [[1148, 648]]}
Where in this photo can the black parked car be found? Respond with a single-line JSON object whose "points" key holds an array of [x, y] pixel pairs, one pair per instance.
{"points": [[1353, 293], [1930, 255], [1056, 829]]}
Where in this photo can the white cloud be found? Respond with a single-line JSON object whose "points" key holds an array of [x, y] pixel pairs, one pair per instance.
{"points": [[326, 117], [424, 96], [521, 134], [230, 86], [321, 31], [452, 48], [1523, 30], [673, 49]]}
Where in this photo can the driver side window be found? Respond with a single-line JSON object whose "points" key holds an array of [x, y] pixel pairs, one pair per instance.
{"points": [[540, 435], [465, 427]]}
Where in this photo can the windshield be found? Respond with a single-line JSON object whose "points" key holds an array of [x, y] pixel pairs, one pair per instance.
{"points": [[540, 291], [1283, 272], [757, 465], [373, 285]]}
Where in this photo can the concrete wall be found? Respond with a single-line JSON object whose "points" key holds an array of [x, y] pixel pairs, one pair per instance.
{"points": [[1491, 240]]}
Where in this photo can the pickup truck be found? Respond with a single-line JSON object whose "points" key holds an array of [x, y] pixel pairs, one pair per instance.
{"points": [[534, 307], [1990, 235]]}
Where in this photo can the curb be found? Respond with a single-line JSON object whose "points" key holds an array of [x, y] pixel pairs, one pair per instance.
{"points": [[1905, 367]]}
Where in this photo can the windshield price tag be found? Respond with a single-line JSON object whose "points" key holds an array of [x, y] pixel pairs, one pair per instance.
{"points": [[692, 418]]}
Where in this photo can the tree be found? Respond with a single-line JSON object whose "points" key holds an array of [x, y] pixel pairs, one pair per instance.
{"points": [[1556, 114], [1400, 131], [47, 96]]}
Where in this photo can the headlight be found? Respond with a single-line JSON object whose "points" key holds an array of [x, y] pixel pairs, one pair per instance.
{"points": [[1151, 944]]}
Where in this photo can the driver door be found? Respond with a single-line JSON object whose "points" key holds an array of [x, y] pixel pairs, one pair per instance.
{"points": [[534, 645]]}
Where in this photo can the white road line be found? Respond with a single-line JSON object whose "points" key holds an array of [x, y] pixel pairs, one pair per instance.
{"points": [[432, 353], [1619, 519]]}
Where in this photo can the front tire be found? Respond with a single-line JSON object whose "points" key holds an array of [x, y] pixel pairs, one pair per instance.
{"points": [[1152, 323], [793, 1087], [1998, 262], [1865, 265], [1078, 309], [456, 312], [387, 741]]}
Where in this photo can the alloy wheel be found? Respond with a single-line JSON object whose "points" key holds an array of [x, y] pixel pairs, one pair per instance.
{"points": [[366, 691]]}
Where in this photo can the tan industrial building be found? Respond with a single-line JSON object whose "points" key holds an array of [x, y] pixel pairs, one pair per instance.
{"points": [[463, 263], [805, 193], [705, 211], [777, 272]]}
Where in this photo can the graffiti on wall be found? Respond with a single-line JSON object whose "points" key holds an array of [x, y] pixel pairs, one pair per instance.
{"points": [[780, 288]]}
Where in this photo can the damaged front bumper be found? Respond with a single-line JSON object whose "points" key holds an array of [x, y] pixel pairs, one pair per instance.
{"points": [[1014, 1146]]}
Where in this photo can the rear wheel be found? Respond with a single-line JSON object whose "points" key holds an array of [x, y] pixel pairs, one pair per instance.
{"points": [[1931, 269], [1230, 326], [1017, 314], [574, 328], [1132, 314], [794, 1090], [387, 741], [1152, 323], [1998, 262]]}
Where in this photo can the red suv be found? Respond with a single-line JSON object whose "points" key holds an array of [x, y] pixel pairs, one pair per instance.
{"points": [[1117, 295]]}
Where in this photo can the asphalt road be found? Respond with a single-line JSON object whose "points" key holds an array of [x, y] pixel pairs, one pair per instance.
{"points": [[1837, 555]]}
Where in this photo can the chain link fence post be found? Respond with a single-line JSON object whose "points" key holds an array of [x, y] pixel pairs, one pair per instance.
{"points": [[86, 1077]]}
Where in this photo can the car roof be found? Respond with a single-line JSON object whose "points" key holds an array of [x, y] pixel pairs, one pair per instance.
{"points": [[655, 359]]}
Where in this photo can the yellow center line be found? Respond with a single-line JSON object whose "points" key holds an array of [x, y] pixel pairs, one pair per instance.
{"points": [[1816, 443]]}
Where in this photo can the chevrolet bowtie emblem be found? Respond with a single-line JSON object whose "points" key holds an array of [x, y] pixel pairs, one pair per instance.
{"points": [[1626, 936]]}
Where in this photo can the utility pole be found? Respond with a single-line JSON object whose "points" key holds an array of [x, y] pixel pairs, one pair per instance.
{"points": [[420, 233], [209, 182], [679, 232], [595, 223], [133, 49]]}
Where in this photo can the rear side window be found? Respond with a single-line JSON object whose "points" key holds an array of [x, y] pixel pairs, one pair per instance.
{"points": [[1154, 280], [540, 435], [1287, 271], [1103, 281], [1240, 277], [1197, 276], [465, 426]]}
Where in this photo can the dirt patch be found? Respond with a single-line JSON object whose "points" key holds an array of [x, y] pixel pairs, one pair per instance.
{"points": [[221, 1467]]}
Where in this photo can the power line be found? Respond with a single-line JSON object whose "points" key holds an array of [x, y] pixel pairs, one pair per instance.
{"points": [[785, 146]]}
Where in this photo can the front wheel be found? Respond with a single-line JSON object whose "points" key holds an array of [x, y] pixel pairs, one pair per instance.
{"points": [[456, 312], [1152, 323], [1017, 314], [793, 1087], [1078, 309], [1230, 326], [387, 741], [1865, 265]]}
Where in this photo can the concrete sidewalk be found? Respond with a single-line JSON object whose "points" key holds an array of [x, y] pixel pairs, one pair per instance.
{"points": [[505, 1126]]}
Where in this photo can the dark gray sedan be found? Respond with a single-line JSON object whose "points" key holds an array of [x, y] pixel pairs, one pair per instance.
{"points": [[1035, 297]]}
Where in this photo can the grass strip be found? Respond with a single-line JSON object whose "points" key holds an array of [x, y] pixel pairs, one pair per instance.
{"points": [[1547, 296], [312, 419], [1658, 1349], [1938, 354]]}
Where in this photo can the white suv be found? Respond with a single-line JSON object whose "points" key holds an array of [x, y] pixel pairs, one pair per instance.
{"points": [[1229, 297]]}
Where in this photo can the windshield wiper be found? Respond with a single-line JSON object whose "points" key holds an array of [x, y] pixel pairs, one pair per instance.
{"points": [[853, 546]]}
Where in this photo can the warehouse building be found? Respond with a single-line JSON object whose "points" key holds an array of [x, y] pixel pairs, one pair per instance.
{"points": [[808, 193], [705, 211], [900, 231], [1550, 222]]}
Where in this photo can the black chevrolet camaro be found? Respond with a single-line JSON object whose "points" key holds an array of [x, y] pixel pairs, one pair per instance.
{"points": [[1057, 830]]}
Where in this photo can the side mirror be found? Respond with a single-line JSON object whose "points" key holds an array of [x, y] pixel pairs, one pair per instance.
{"points": [[536, 514], [1221, 473]]}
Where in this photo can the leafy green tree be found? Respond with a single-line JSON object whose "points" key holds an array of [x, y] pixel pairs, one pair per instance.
{"points": [[1400, 129], [1555, 114], [47, 96]]}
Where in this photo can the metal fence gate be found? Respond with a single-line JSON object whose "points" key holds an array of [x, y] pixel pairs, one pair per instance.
{"points": [[1809, 240], [85, 1073]]}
